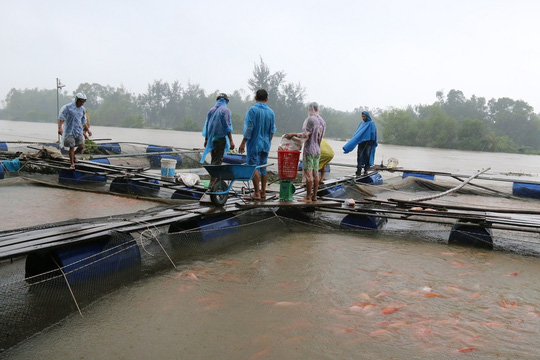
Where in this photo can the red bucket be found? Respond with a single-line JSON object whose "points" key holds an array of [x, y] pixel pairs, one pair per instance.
{"points": [[288, 164]]}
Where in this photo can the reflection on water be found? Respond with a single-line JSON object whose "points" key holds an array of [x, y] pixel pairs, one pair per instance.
{"points": [[317, 296]]}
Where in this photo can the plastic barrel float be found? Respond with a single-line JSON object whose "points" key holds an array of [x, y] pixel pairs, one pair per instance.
{"points": [[419, 175], [526, 190], [363, 222], [468, 234], [373, 179], [110, 148], [116, 256], [74, 177], [155, 160]]}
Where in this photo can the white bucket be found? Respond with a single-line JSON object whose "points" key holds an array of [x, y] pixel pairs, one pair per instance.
{"points": [[168, 166]]}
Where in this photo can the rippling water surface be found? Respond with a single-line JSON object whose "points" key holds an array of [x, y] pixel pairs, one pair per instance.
{"points": [[400, 293], [316, 296]]}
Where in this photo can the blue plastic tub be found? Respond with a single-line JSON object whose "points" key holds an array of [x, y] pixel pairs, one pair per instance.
{"points": [[526, 190], [419, 175]]}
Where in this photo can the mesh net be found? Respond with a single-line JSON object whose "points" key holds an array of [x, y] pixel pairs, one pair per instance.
{"points": [[40, 289]]}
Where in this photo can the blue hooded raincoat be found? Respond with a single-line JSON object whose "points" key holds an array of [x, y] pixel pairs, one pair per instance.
{"points": [[218, 124], [366, 132]]}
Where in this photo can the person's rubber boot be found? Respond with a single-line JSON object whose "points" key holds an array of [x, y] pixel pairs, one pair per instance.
{"points": [[359, 172]]}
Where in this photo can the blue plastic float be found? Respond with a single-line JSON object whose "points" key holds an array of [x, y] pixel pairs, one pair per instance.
{"points": [[419, 175], [470, 235], [363, 222], [374, 179], [155, 160], [3, 146], [211, 228], [74, 177], [110, 255], [526, 190], [187, 194], [335, 192], [146, 188], [110, 148]]}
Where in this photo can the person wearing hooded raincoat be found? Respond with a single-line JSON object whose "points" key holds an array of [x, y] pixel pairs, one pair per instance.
{"points": [[366, 139], [259, 129], [312, 130], [217, 131]]}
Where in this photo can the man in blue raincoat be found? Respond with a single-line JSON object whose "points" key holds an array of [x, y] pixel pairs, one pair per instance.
{"points": [[259, 129], [74, 117], [366, 139], [217, 131]]}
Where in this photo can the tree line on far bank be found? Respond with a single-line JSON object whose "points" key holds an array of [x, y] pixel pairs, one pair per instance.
{"points": [[452, 121]]}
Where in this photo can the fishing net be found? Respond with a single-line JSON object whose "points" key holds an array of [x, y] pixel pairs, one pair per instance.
{"points": [[41, 288]]}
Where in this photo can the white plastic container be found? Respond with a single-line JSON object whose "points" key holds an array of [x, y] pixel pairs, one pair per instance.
{"points": [[168, 167]]}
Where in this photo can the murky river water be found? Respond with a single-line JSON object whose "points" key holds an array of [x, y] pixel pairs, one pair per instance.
{"points": [[394, 294]]}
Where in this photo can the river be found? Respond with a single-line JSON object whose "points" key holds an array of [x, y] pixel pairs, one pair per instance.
{"points": [[315, 293]]}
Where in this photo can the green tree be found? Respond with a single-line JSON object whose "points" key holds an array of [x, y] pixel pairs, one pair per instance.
{"points": [[399, 126], [437, 129]]}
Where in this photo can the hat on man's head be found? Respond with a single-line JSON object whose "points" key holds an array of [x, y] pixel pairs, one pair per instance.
{"points": [[223, 96], [80, 96]]}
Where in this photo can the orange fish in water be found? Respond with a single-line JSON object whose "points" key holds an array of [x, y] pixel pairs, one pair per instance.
{"points": [[513, 274], [389, 310], [381, 294], [475, 295], [506, 305], [433, 295], [458, 263], [192, 276], [466, 349]]}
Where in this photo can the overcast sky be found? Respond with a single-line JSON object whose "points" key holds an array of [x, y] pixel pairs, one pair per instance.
{"points": [[346, 54]]}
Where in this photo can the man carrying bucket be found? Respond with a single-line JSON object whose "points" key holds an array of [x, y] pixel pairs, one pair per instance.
{"points": [[259, 129], [217, 131]]}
